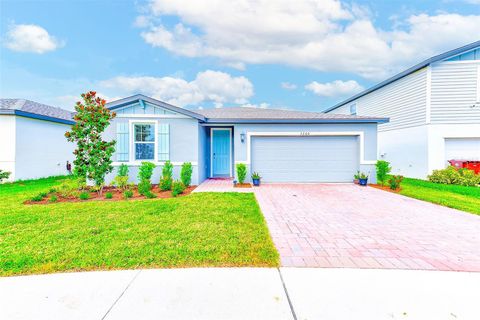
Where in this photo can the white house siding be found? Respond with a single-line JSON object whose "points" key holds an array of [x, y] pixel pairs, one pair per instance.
{"points": [[7, 144], [41, 148], [454, 92], [406, 149], [403, 101]]}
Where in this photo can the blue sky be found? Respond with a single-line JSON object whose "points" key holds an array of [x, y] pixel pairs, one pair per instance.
{"points": [[305, 54]]}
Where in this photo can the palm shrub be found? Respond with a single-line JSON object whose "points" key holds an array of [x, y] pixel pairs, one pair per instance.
{"points": [[177, 188], [145, 173], [241, 172], [186, 174], [383, 169], [167, 174], [93, 154]]}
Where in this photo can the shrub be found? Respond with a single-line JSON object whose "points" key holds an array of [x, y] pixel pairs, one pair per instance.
{"points": [[84, 195], [241, 172], [71, 187], [145, 171], [150, 195], [167, 173], [53, 198], [108, 195], [383, 169], [395, 181], [451, 175], [144, 186], [128, 194], [122, 170], [121, 179], [186, 174], [4, 175], [43, 194], [177, 188], [38, 197]]}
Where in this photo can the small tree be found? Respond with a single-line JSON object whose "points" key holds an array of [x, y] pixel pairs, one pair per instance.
{"points": [[93, 154], [145, 173], [186, 174], [167, 174], [383, 169]]}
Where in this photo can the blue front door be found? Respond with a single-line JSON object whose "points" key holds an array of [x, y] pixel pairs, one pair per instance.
{"points": [[221, 152]]}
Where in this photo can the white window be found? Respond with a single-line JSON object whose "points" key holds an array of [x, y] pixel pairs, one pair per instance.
{"points": [[144, 141], [353, 109]]}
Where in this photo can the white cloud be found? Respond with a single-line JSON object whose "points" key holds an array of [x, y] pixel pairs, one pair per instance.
{"points": [[208, 86], [30, 38], [262, 105], [323, 35], [288, 86], [337, 88]]}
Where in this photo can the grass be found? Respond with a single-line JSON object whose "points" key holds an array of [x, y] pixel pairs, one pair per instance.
{"points": [[199, 230], [453, 196]]}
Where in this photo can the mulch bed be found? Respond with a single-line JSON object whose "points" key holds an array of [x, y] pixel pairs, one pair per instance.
{"points": [[384, 188], [116, 195], [243, 185]]}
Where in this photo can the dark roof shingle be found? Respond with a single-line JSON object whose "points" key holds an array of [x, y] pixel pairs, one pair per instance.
{"points": [[32, 107], [247, 113]]}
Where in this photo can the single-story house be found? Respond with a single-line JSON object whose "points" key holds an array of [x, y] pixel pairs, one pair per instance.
{"points": [[282, 145], [32, 141], [434, 112]]}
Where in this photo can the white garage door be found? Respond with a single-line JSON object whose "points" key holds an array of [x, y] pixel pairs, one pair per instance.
{"points": [[305, 159], [462, 149]]}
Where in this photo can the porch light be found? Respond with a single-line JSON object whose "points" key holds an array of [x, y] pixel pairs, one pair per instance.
{"points": [[242, 137]]}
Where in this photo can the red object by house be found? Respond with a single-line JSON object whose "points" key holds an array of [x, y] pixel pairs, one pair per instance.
{"points": [[467, 164]]}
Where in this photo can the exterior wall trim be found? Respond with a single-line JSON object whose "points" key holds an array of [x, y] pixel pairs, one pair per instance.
{"points": [[163, 116], [158, 163], [360, 134], [211, 149]]}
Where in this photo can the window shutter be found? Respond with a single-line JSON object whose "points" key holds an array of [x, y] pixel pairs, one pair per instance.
{"points": [[163, 142], [122, 142]]}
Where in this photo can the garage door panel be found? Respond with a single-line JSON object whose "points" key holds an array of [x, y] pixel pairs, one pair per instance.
{"points": [[462, 149], [305, 159]]}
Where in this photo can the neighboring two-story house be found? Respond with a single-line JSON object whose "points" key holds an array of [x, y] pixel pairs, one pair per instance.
{"points": [[434, 112]]}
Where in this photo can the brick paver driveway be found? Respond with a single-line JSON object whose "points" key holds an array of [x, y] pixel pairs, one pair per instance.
{"points": [[328, 225]]}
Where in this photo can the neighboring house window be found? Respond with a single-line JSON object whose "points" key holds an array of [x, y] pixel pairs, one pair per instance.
{"points": [[144, 141], [353, 109]]}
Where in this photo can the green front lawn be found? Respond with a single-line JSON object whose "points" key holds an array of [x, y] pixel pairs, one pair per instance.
{"points": [[453, 196], [207, 229]]}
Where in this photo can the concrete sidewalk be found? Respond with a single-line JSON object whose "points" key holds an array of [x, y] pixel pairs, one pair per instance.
{"points": [[243, 293]]}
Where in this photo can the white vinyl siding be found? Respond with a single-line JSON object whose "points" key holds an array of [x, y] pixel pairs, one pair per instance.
{"points": [[403, 101], [163, 142], [455, 92]]}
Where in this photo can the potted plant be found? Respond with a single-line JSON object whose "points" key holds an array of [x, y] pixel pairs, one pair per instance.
{"points": [[356, 177], [256, 179], [363, 179]]}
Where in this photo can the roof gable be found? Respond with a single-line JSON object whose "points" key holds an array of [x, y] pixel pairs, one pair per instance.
{"points": [[140, 104], [441, 57]]}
